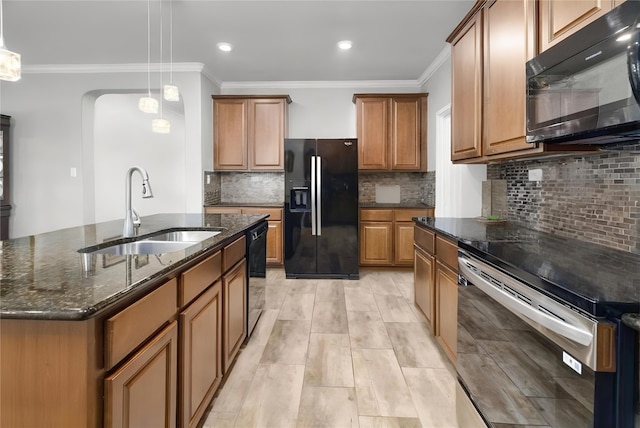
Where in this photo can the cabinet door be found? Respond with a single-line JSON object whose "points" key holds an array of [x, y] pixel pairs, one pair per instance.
{"points": [[373, 132], [466, 86], [447, 309], [424, 287], [142, 393], [201, 350], [230, 134], [406, 139], [376, 243], [267, 120], [274, 243], [509, 41], [234, 292], [403, 236], [561, 18]]}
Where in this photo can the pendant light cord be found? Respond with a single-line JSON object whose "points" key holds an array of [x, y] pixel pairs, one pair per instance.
{"points": [[161, 65], [149, 47], [170, 41], [1, 25]]}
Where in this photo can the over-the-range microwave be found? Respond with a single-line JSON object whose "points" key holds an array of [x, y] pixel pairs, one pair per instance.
{"points": [[586, 88]]}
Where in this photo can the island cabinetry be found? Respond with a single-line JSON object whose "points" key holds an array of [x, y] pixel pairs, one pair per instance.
{"points": [[391, 131], [275, 246], [436, 285], [561, 18], [249, 132], [200, 338], [234, 289], [386, 235]]}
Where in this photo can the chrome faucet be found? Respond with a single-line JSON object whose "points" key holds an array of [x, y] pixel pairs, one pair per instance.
{"points": [[130, 216]]}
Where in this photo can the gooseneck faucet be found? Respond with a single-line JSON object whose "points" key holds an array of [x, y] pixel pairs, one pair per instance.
{"points": [[146, 193]]}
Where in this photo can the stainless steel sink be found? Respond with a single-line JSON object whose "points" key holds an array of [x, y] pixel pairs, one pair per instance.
{"points": [[146, 246], [185, 235]]}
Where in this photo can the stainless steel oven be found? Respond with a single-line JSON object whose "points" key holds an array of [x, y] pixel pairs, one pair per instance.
{"points": [[527, 358]]}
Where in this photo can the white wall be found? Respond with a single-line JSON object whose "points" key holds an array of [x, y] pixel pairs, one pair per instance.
{"points": [[458, 187], [52, 119]]}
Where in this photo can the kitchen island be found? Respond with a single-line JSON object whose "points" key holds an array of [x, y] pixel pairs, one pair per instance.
{"points": [[131, 338]]}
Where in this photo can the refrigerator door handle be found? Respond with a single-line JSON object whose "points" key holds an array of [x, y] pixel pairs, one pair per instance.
{"points": [[313, 196], [319, 195]]}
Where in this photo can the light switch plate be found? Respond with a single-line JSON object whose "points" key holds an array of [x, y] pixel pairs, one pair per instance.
{"points": [[535, 174]]}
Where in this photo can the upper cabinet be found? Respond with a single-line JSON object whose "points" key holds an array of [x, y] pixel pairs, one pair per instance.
{"points": [[392, 131], [249, 132], [489, 51], [559, 19]]}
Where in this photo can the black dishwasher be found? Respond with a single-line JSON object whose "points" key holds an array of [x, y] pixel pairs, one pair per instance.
{"points": [[256, 273]]}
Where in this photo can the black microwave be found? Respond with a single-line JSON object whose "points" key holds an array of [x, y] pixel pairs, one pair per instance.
{"points": [[586, 88]]}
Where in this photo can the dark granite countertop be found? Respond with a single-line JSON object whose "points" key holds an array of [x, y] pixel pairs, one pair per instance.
{"points": [[42, 276], [597, 279], [247, 204], [419, 205]]}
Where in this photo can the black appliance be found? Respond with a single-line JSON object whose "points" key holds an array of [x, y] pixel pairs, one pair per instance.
{"points": [[586, 88], [321, 208], [256, 273], [532, 353]]}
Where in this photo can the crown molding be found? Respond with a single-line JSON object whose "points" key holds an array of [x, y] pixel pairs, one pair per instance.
{"points": [[442, 57], [413, 84], [111, 68]]}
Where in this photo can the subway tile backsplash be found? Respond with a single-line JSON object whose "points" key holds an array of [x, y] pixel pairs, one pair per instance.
{"points": [[594, 198]]}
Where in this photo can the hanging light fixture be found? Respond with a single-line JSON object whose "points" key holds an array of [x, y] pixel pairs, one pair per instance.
{"points": [[148, 104], [161, 125], [171, 92], [9, 61]]}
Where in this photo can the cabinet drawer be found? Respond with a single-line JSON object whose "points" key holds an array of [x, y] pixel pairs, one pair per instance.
{"points": [[447, 252], [128, 329], [408, 214], [376, 215], [195, 280], [233, 252], [425, 239], [275, 214]]}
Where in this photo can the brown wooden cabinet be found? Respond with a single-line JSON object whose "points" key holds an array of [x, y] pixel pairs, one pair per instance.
{"points": [[275, 243], [436, 285], [201, 351], [234, 286], [249, 132], [489, 50], [386, 235], [391, 130], [561, 18], [142, 393]]}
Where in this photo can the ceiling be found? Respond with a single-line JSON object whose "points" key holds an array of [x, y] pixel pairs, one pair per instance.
{"points": [[292, 40]]}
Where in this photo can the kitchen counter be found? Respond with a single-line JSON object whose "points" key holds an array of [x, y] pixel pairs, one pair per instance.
{"points": [[247, 204], [398, 205], [42, 275], [595, 278]]}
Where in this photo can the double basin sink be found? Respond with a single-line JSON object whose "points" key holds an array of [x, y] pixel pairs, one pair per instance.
{"points": [[159, 243]]}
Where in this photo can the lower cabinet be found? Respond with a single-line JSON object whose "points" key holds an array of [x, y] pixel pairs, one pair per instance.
{"points": [[435, 272], [201, 351], [142, 393], [234, 285], [386, 235], [424, 274]]}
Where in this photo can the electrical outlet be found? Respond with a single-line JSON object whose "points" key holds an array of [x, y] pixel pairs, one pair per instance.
{"points": [[572, 362], [73, 172], [208, 179], [535, 174]]}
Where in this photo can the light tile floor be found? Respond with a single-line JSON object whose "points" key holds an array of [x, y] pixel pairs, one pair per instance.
{"points": [[339, 353]]}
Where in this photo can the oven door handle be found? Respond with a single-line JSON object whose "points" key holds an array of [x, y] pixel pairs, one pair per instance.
{"points": [[560, 327]]}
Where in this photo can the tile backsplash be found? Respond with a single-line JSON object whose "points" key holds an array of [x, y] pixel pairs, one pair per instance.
{"points": [[268, 187], [594, 198]]}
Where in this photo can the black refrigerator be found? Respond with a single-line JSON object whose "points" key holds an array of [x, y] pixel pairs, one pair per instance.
{"points": [[321, 208]]}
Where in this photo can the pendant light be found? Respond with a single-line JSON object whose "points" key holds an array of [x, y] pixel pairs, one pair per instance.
{"points": [[161, 125], [148, 104], [9, 61], [170, 91]]}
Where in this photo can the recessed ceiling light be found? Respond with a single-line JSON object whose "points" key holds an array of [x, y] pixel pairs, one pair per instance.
{"points": [[225, 47], [344, 44]]}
